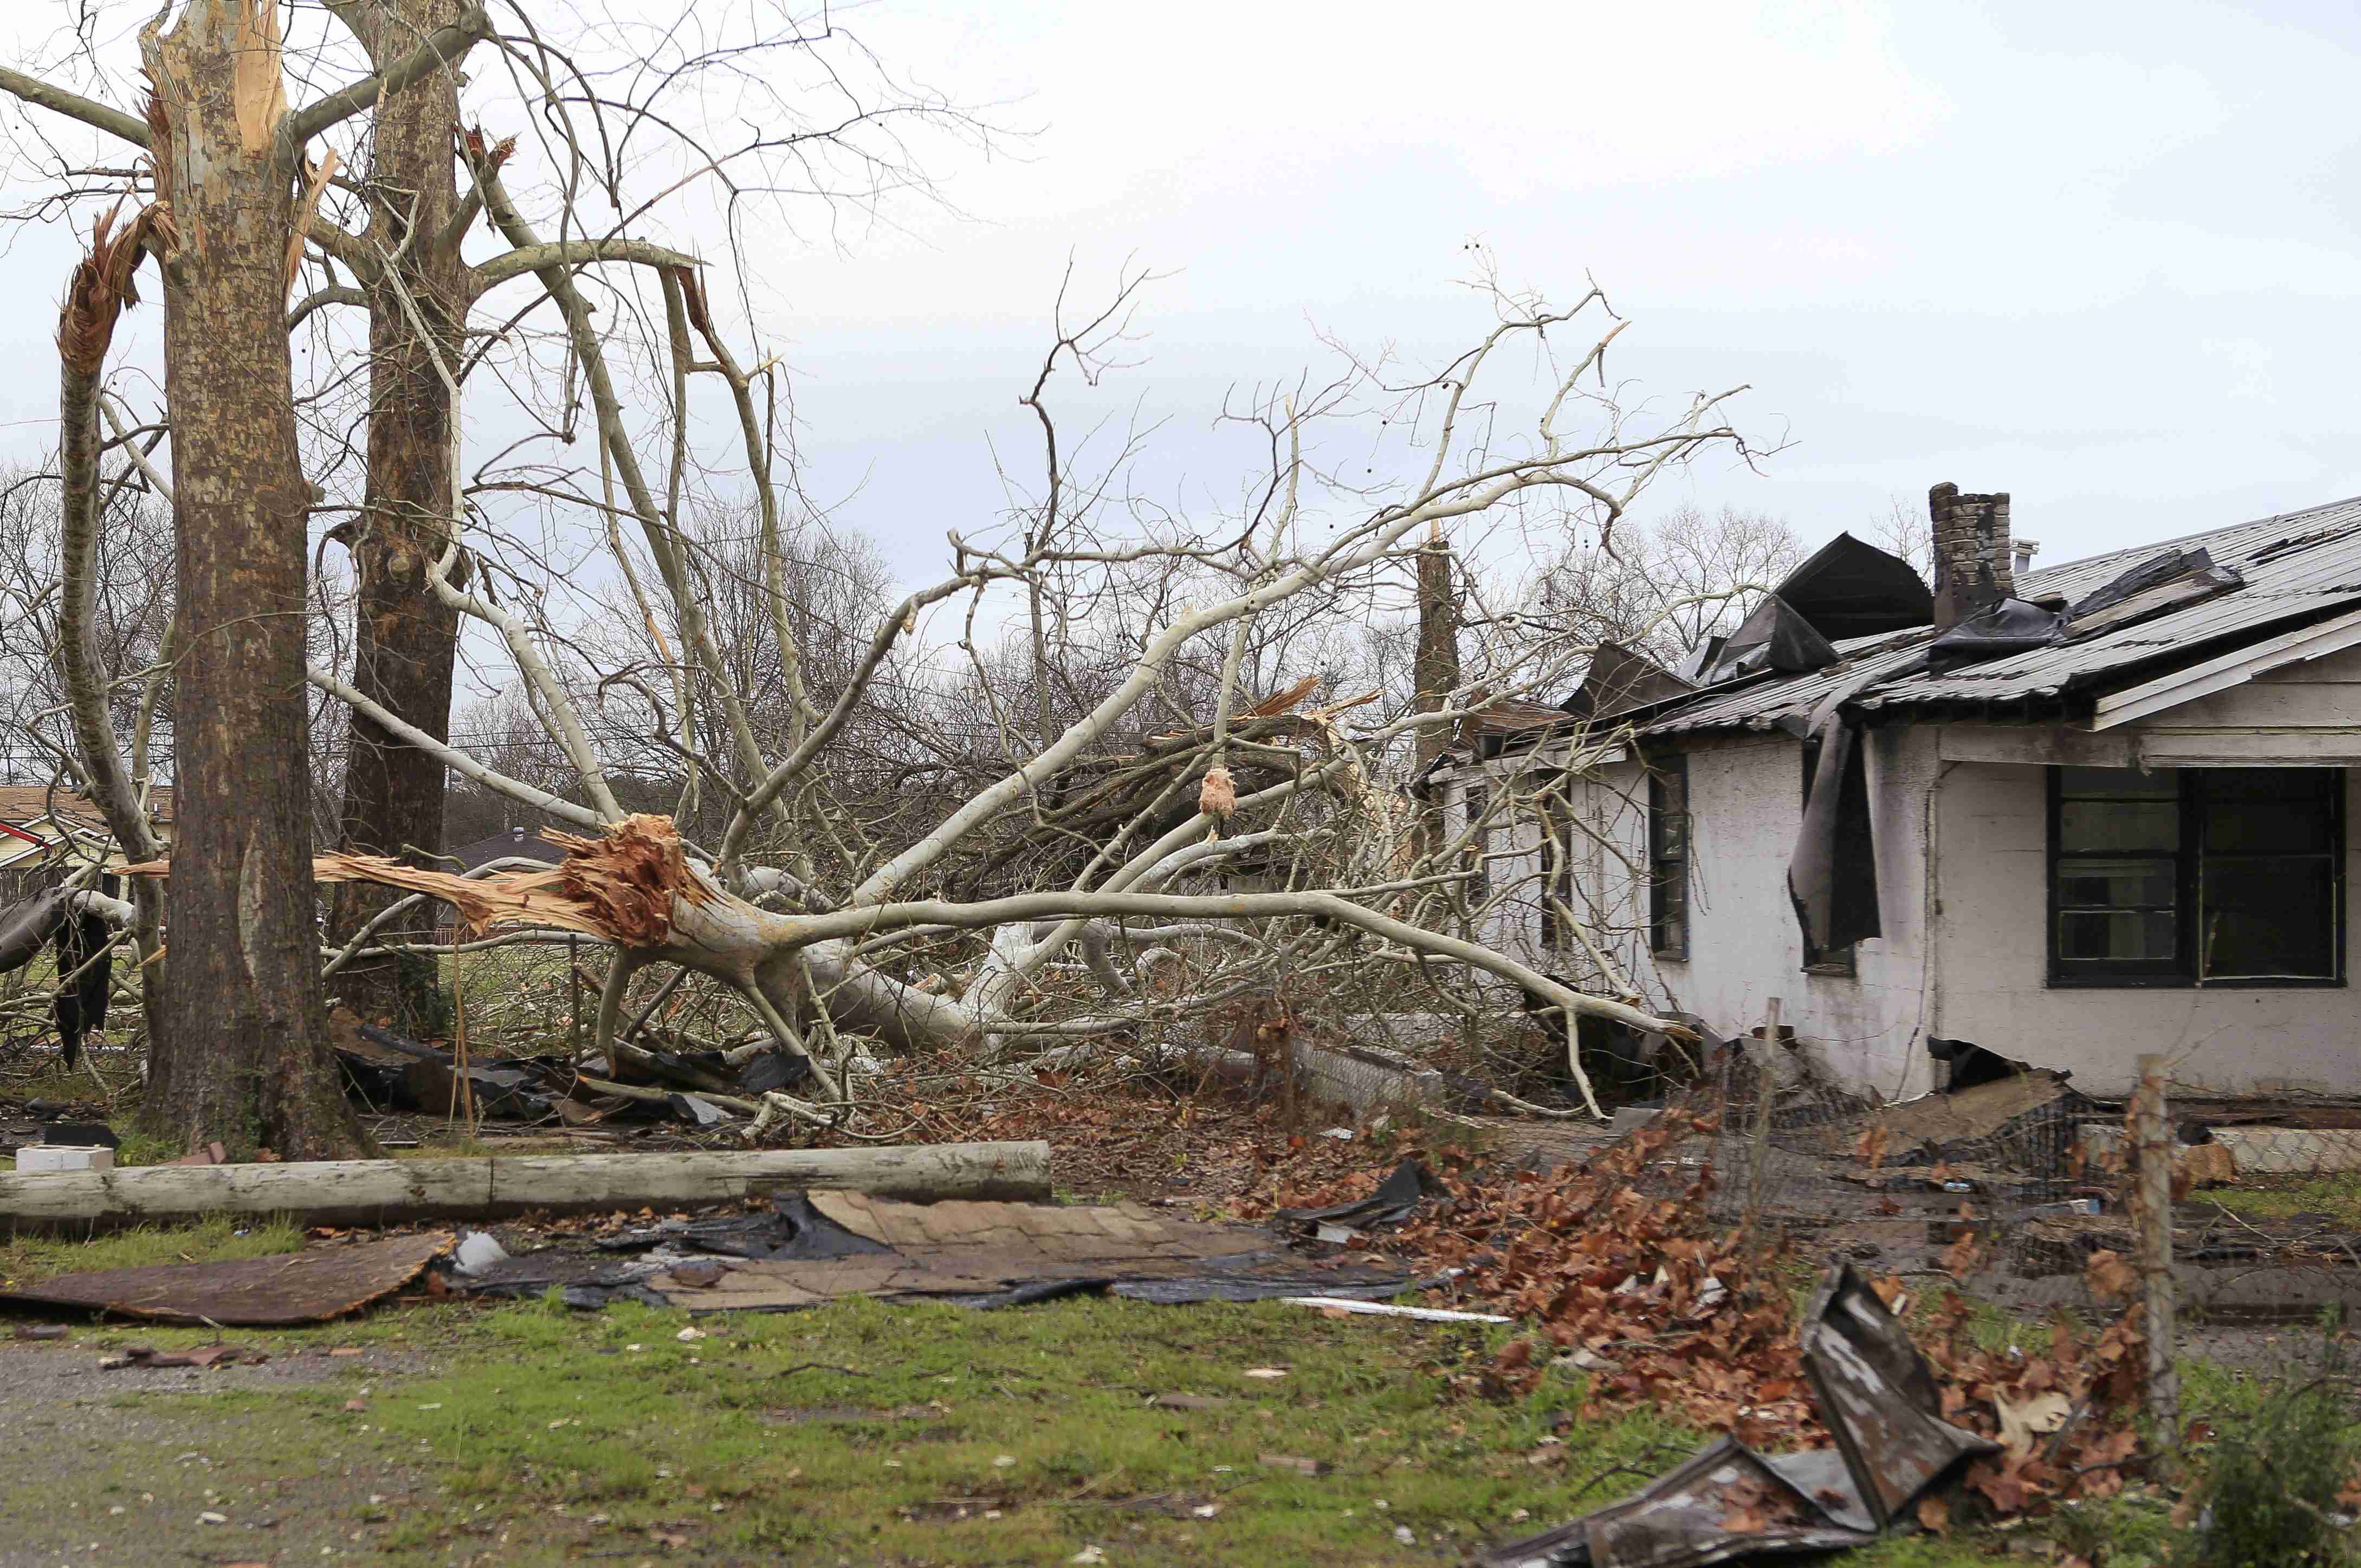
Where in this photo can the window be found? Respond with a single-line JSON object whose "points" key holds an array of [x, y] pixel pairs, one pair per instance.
{"points": [[2199, 876], [1842, 960], [1669, 858]]}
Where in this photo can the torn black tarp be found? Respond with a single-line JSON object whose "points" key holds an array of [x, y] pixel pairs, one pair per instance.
{"points": [[1832, 875], [1774, 637], [85, 948], [817, 1247], [1730, 1504], [1620, 679], [1394, 1200], [83, 944], [2012, 626], [1850, 588]]}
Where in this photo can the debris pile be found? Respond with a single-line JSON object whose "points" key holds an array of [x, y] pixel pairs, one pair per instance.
{"points": [[1631, 1287]]}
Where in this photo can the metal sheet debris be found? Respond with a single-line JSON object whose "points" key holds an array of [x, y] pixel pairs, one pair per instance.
{"points": [[1729, 1503], [307, 1287]]}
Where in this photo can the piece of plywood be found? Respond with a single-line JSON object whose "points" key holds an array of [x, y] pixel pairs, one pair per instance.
{"points": [[255, 1292]]}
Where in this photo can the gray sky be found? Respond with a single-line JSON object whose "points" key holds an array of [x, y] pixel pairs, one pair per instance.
{"points": [[2100, 256]]}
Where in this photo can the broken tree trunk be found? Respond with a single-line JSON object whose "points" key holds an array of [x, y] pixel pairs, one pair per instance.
{"points": [[101, 288], [379, 1191], [246, 1059]]}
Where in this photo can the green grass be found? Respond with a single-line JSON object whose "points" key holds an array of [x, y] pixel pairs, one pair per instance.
{"points": [[24, 1259], [876, 1434], [2277, 1197]]}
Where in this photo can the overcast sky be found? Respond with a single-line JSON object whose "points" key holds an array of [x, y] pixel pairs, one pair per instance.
{"points": [[2100, 256]]}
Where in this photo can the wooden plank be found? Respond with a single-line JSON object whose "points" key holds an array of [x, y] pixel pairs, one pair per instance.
{"points": [[373, 1191], [2042, 745], [2228, 670]]}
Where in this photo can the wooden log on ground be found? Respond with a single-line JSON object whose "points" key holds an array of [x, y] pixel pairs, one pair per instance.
{"points": [[379, 1191]]}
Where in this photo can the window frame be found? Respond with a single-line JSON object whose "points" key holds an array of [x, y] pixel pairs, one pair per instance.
{"points": [[2185, 970], [1660, 915]]}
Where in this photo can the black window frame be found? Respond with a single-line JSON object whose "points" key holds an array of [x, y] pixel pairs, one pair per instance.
{"points": [[2183, 969], [1668, 874]]}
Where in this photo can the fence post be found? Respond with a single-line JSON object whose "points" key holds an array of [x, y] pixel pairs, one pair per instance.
{"points": [[2152, 1210], [1766, 1080]]}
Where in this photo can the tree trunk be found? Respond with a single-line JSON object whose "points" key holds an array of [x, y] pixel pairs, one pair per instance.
{"points": [[405, 640], [246, 1059], [376, 1192], [1434, 668], [101, 288]]}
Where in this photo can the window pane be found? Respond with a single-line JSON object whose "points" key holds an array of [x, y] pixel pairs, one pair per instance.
{"points": [[2118, 826], [2267, 827], [2116, 885], [2118, 783], [2271, 916], [2124, 935]]}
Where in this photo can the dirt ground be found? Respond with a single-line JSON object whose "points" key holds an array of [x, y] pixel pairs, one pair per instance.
{"points": [[141, 1466]]}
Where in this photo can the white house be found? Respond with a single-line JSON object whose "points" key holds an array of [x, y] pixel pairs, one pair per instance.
{"points": [[2092, 811]]}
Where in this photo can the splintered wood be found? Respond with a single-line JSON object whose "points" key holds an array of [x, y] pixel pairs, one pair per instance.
{"points": [[618, 888]]}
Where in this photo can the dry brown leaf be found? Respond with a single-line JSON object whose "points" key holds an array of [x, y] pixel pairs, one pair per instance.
{"points": [[2108, 1276]]}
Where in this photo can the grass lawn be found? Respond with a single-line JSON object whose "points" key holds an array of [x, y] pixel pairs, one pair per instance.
{"points": [[2338, 1196], [862, 1433]]}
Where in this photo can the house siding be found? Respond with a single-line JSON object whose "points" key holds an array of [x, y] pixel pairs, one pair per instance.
{"points": [[1981, 976]]}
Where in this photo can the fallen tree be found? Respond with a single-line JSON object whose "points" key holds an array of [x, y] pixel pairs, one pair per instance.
{"points": [[385, 1191]]}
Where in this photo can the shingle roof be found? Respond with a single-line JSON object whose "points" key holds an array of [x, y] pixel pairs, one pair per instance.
{"points": [[2298, 566], [21, 803]]}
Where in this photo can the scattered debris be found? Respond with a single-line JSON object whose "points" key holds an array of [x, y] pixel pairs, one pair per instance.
{"points": [[1312, 1467], [813, 1247], [1893, 1447], [1342, 1305], [291, 1288], [147, 1358]]}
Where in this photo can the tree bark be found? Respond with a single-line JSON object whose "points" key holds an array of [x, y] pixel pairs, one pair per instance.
{"points": [[1434, 668], [405, 638], [100, 289], [245, 1059], [374, 1193]]}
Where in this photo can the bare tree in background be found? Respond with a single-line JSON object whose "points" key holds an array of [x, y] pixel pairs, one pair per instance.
{"points": [[1664, 585]]}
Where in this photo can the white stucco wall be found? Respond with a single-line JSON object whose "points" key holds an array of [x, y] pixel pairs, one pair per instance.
{"points": [[1983, 976]]}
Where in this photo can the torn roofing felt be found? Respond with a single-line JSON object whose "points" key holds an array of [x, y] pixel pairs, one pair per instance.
{"points": [[1850, 588], [1620, 679], [1832, 874], [1729, 1503], [817, 1247], [1774, 637], [84, 946]]}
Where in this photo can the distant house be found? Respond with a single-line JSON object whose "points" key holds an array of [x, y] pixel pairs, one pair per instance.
{"points": [[42, 827], [2072, 816], [511, 844], [514, 843]]}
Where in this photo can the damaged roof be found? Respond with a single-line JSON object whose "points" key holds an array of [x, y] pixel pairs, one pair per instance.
{"points": [[2297, 567]]}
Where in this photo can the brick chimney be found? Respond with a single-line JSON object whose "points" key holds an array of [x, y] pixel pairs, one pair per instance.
{"points": [[1974, 563]]}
